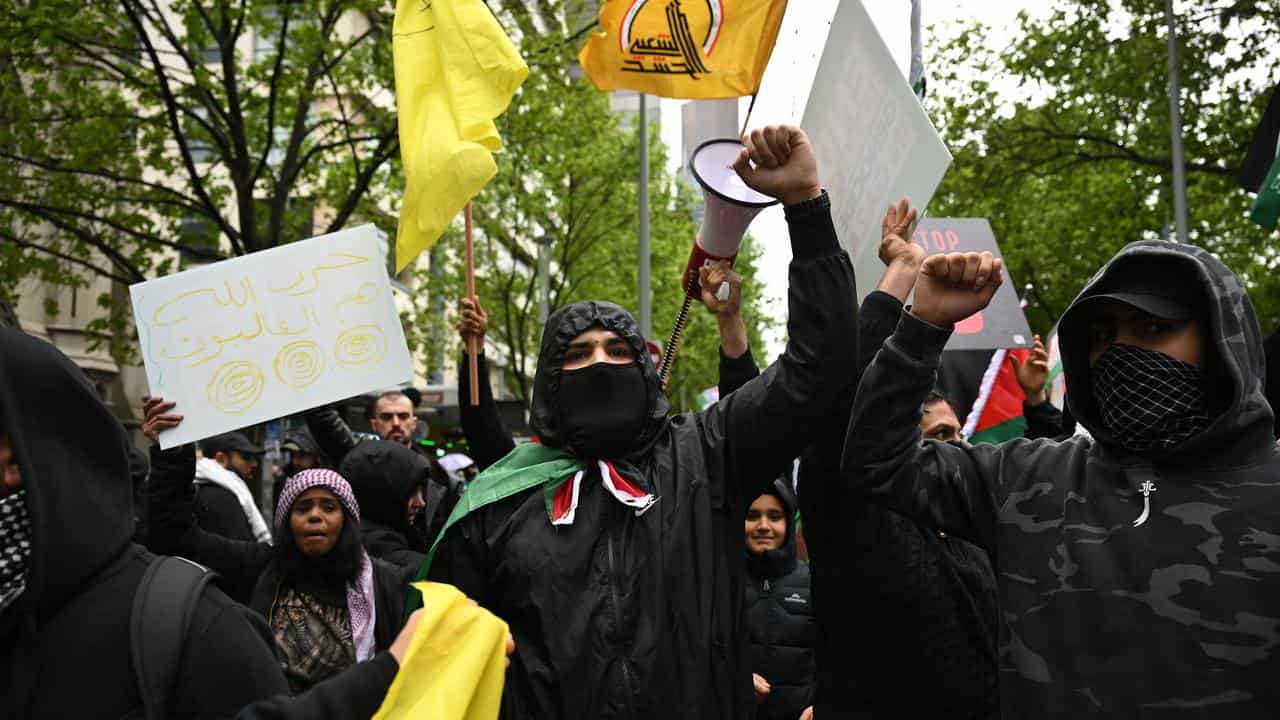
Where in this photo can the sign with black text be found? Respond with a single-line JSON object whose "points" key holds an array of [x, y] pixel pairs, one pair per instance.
{"points": [[1002, 324]]}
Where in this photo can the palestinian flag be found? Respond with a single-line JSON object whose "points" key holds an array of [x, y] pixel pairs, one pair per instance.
{"points": [[1057, 381], [1260, 170], [997, 412]]}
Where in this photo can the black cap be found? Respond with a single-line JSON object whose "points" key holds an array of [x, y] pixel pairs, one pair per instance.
{"points": [[229, 442], [1167, 290]]}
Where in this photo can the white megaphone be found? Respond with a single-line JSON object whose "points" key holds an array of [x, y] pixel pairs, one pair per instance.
{"points": [[730, 206]]}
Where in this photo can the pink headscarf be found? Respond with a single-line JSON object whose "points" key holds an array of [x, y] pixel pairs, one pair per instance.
{"points": [[360, 604]]}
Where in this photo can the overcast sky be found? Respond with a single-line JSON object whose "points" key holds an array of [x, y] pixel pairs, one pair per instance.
{"points": [[786, 87]]}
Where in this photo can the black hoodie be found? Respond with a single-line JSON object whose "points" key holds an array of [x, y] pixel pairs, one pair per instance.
{"points": [[65, 643], [780, 620], [626, 616], [1175, 614], [383, 474]]}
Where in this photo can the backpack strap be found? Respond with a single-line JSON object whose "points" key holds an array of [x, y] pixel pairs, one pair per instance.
{"points": [[162, 608]]}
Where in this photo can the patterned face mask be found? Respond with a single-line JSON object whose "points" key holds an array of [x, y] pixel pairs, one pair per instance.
{"points": [[1150, 402], [15, 547]]}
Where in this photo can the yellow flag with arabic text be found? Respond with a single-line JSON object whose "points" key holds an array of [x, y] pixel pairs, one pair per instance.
{"points": [[683, 48], [455, 665], [456, 70]]}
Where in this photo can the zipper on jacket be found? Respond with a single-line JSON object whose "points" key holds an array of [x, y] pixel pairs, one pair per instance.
{"points": [[617, 614]]}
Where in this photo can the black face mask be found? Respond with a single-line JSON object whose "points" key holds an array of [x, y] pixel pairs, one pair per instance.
{"points": [[603, 409], [1150, 402]]}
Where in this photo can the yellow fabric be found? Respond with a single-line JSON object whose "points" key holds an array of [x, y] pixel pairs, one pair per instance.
{"points": [[683, 48], [456, 70], [455, 665]]}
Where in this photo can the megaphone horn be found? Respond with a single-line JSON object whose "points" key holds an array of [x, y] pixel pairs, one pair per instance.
{"points": [[730, 206]]}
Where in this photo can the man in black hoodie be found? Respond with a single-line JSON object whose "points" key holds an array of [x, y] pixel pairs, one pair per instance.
{"points": [[1136, 567], [69, 571], [614, 548]]}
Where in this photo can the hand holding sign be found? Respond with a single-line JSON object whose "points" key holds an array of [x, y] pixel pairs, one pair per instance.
{"points": [[954, 286]]}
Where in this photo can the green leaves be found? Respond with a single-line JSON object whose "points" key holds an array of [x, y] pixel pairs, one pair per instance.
{"points": [[1069, 155]]}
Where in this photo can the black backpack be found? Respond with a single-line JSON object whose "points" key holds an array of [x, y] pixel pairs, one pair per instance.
{"points": [[162, 608]]}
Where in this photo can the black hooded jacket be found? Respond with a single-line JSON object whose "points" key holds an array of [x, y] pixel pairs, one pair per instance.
{"points": [[65, 643], [1110, 610], [383, 475], [626, 616], [780, 621]]}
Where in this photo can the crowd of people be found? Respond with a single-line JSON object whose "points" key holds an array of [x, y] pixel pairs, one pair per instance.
{"points": [[819, 543]]}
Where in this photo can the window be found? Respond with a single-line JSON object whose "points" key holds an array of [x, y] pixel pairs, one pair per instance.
{"points": [[266, 34], [199, 240]]}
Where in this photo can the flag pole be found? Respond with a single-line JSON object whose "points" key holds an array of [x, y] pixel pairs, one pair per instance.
{"points": [[472, 349], [1175, 112], [646, 325]]}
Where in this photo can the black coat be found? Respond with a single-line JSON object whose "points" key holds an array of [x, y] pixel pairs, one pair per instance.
{"points": [[218, 511], [65, 643], [249, 568], [894, 597], [781, 624], [619, 616]]}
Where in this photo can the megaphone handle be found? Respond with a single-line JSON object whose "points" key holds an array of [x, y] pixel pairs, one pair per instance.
{"points": [[677, 333]]}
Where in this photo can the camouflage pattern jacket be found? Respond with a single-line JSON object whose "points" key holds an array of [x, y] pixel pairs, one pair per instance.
{"points": [[1129, 588]]}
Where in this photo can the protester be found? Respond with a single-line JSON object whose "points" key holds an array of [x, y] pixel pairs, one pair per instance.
{"points": [[328, 604], [69, 572], [780, 622], [224, 504], [614, 547], [1132, 567], [919, 602], [488, 439], [938, 419], [387, 479]]}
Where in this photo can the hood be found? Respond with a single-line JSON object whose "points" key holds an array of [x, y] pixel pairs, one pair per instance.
{"points": [[383, 475], [75, 469], [776, 563], [1236, 362], [562, 327]]}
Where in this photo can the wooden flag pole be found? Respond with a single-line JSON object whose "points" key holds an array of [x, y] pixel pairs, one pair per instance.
{"points": [[472, 349]]}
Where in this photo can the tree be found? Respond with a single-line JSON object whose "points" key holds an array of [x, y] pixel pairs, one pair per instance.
{"points": [[1074, 163], [568, 173], [137, 133]]}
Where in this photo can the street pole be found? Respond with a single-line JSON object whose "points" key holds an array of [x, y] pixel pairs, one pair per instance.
{"points": [[645, 326], [544, 278], [1179, 171]]}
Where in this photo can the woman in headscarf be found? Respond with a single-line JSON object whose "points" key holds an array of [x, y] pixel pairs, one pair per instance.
{"points": [[328, 604]]}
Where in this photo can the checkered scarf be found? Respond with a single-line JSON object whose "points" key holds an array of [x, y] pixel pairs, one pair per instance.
{"points": [[360, 603], [1150, 402], [15, 547]]}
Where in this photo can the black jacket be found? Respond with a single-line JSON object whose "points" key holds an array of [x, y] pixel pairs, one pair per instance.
{"points": [[65, 643], [894, 598], [218, 511], [383, 475], [780, 622], [487, 437], [249, 568], [1110, 610], [619, 616]]}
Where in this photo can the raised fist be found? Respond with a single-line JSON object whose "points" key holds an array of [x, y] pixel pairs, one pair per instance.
{"points": [[779, 161], [953, 286]]}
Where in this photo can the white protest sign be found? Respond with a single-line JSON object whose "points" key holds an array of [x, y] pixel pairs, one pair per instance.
{"points": [[874, 141], [277, 332]]}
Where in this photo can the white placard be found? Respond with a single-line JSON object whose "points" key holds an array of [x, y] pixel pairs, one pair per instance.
{"points": [[270, 334], [874, 141]]}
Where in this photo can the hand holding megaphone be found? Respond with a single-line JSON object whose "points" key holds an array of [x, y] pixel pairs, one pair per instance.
{"points": [[779, 161]]}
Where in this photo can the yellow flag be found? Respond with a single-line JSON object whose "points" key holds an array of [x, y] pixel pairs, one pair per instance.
{"points": [[456, 70], [456, 662], [683, 48]]}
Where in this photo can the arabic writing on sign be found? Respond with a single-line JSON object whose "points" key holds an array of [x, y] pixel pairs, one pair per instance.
{"points": [[291, 327]]}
